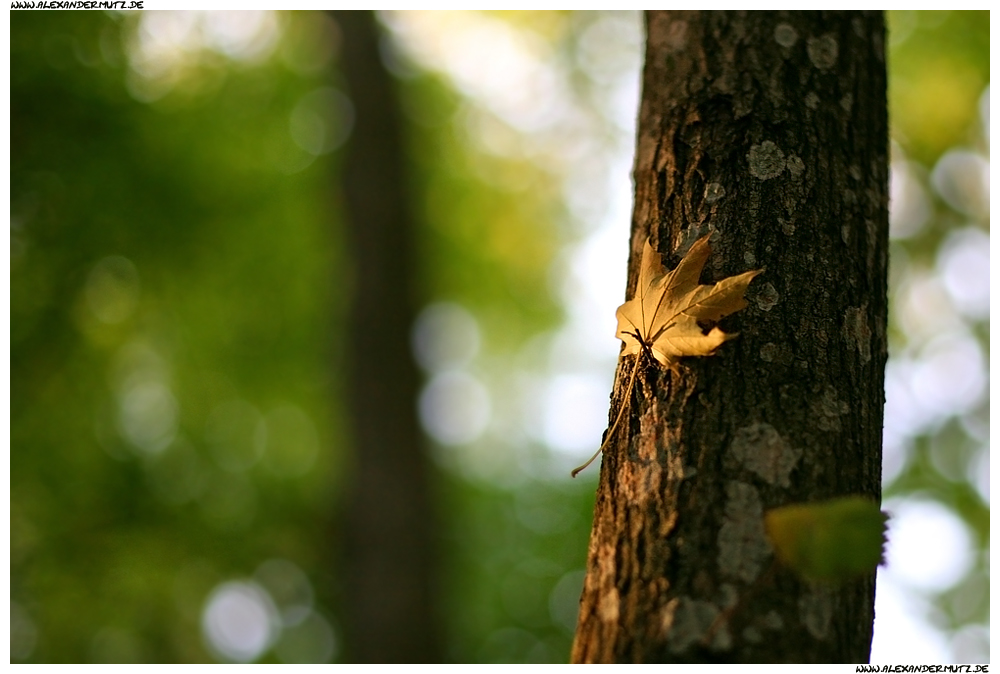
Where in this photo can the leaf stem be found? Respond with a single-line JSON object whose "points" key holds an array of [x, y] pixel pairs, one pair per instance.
{"points": [[621, 411]]}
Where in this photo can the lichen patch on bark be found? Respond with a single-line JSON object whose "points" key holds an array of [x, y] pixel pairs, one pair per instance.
{"points": [[757, 631], [823, 51], [857, 332], [816, 611], [766, 297], [772, 620], [796, 167], [743, 545], [827, 410], [677, 36], [714, 192], [690, 621], [760, 449], [766, 160], [785, 35]]}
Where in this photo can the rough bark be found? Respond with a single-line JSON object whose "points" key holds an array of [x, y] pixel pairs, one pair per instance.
{"points": [[769, 130], [389, 557]]}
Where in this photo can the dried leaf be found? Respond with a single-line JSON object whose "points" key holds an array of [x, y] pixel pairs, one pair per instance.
{"points": [[666, 315], [832, 540], [669, 308]]}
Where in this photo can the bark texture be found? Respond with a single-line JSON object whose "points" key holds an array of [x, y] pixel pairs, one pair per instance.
{"points": [[389, 553], [768, 129]]}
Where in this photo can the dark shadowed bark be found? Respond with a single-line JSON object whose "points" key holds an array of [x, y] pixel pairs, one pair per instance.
{"points": [[389, 557], [770, 131]]}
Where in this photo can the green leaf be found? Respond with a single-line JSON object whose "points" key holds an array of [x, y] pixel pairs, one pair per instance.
{"points": [[833, 540]]}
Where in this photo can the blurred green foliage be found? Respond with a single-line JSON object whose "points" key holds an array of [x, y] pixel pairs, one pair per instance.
{"points": [[831, 541], [939, 117], [178, 290], [225, 291], [939, 63]]}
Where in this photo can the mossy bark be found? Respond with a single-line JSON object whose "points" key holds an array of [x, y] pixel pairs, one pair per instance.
{"points": [[769, 130]]}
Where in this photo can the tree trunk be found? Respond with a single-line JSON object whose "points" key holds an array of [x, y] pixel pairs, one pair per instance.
{"points": [[389, 559], [769, 130]]}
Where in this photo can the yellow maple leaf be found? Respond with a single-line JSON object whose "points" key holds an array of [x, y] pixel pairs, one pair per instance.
{"points": [[669, 308], [671, 314]]}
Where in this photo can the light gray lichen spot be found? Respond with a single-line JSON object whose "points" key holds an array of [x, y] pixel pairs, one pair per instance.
{"points": [[714, 192], [761, 449], [847, 102], [676, 39], [749, 257], [787, 225], [855, 171], [690, 621], [858, 25], [812, 100], [795, 165], [770, 352], [845, 233], [729, 596], [766, 297], [721, 641], [785, 34], [857, 332], [743, 545], [822, 50], [827, 410], [766, 160], [816, 611], [772, 620]]}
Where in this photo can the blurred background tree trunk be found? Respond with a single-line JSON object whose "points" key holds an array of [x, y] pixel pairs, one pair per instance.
{"points": [[769, 130], [389, 554]]}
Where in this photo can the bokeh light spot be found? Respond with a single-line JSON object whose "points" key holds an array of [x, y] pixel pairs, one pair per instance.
{"points": [[962, 178], [445, 337], [909, 209], [147, 416], [964, 265], [454, 408], [929, 546], [321, 121], [310, 641], [239, 621], [576, 410], [288, 587]]}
